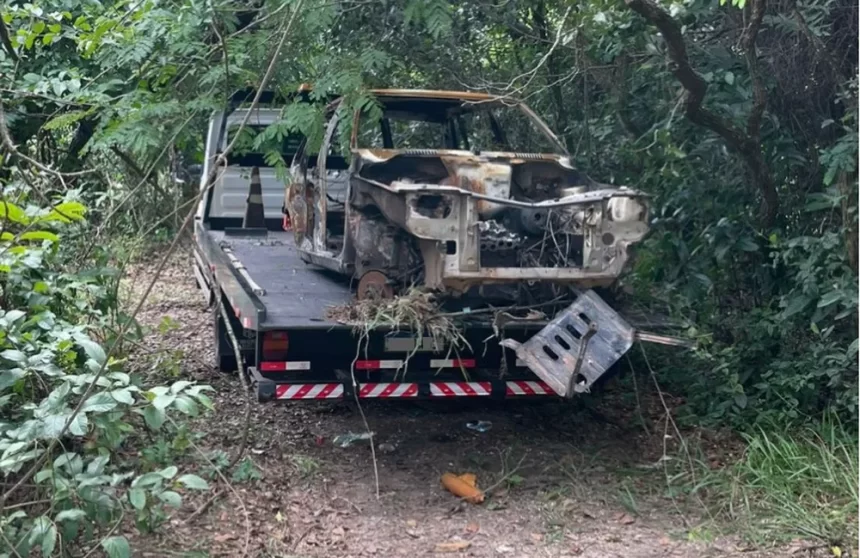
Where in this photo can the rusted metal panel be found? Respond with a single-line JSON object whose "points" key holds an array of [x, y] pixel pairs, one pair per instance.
{"points": [[297, 197], [558, 353]]}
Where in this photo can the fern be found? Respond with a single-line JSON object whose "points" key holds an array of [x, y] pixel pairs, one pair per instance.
{"points": [[434, 14], [373, 59], [66, 119]]}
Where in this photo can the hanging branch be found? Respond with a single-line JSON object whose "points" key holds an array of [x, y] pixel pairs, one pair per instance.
{"points": [[7, 42], [746, 143]]}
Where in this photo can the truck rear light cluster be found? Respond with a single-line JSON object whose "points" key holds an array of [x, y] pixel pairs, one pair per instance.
{"points": [[275, 345]]}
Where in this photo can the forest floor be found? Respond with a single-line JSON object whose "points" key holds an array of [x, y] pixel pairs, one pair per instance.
{"points": [[564, 480]]}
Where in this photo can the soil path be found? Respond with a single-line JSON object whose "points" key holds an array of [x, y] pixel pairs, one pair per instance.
{"points": [[564, 481]]}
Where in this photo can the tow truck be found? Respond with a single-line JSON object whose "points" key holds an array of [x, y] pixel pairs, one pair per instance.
{"points": [[275, 300]]}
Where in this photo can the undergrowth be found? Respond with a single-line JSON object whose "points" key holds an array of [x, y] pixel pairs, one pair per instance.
{"points": [[72, 404], [799, 482], [790, 483]]}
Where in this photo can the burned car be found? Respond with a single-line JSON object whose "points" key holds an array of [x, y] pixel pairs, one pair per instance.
{"points": [[452, 191]]}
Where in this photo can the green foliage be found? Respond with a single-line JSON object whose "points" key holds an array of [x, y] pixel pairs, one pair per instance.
{"points": [[246, 471], [794, 482], [57, 384]]}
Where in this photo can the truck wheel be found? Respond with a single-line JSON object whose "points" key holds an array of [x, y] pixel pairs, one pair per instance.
{"points": [[226, 363], [225, 358]]}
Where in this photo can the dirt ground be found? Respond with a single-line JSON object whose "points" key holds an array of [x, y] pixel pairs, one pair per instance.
{"points": [[562, 479]]}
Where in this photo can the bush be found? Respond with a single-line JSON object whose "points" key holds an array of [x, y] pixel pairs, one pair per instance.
{"points": [[69, 410]]}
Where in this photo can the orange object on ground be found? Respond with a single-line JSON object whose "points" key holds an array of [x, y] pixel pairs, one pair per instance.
{"points": [[469, 478], [463, 486]]}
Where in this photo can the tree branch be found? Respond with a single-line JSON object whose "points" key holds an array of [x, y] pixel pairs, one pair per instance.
{"points": [[7, 42], [745, 144], [757, 9], [6, 140]]}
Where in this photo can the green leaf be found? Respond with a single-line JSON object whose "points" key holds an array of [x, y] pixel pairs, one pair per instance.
{"points": [[14, 315], [10, 377], [12, 212], [44, 532], [179, 386], [123, 396], [747, 244], [205, 401], [116, 547], [99, 403], [169, 472], [137, 498], [186, 405], [39, 235], [52, 425], [796, 305], [829, 298], [65, 212], [14, 356], [93, 350], [148, 480], [154, 417], [66, 119], [193, 482], [171, 498], [161, 402], [80, 425], [73, 514]]}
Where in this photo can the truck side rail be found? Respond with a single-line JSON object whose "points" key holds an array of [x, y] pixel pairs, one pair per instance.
{"points": [[246, 306]]}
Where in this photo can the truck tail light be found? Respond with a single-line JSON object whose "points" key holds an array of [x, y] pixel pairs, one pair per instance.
{"points": [[275, 345]]}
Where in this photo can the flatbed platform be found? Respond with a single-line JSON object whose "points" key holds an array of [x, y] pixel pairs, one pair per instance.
{"points": [[294, 294]]}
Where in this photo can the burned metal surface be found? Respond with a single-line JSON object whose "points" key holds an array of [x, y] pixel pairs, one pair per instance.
{"points": [[578, 346], [466, 216]]}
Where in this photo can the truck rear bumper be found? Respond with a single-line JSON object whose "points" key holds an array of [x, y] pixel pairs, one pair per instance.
{"points": [[268, 389]]}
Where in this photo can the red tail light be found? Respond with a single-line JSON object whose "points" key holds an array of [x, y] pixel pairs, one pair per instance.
{"points": [[275, 345]]}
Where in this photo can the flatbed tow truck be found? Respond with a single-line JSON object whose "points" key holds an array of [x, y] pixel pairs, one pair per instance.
{"points": [[276, 308]]}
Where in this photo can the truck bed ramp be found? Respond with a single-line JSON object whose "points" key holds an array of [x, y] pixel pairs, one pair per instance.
{"points": [[578, 346]]}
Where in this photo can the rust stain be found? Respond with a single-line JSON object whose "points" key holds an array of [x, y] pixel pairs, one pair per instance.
{"points": [[298, 209]]}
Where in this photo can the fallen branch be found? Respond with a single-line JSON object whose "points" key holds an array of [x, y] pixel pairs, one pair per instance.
{"points": [[237, 349], [203, 507]]}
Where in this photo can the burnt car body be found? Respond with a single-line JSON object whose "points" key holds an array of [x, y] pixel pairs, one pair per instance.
{"points": [[455, 190]]}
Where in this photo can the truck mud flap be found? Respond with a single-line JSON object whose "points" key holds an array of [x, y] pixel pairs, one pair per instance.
{"points": [[578, 346]]}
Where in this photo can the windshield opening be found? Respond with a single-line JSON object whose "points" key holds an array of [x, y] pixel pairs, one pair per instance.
{"points": [[454, 124]]}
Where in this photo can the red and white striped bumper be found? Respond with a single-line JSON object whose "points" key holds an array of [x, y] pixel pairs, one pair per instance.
{"points": [[309, 391], [460, 389], [519, 388], [386, 390], [398, 390]]}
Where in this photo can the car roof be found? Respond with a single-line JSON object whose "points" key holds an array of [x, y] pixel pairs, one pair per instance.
{"points": [[435, 94]]}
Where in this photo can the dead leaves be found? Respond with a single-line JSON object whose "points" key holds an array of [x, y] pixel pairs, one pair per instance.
{"points": [[454, 546], [624, 519]]}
